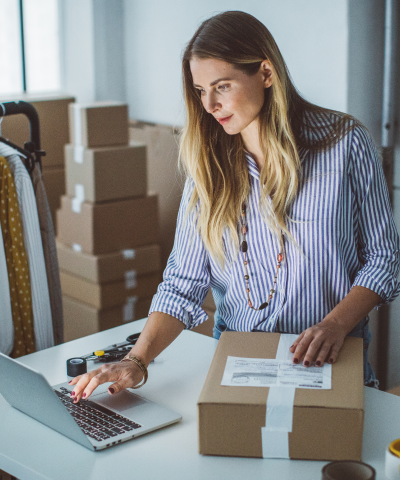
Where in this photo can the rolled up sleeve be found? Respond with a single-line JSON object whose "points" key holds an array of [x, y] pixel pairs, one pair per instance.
{"points": [[378, 239], [186, 278]]}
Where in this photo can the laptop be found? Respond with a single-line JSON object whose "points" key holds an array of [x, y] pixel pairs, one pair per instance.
{"points": [[98, 423]]}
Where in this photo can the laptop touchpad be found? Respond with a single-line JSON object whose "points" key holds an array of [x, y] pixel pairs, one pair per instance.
{"points": [[120, 402]]}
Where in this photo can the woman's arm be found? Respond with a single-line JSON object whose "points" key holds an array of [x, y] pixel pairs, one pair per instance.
{"points": [[378, 245], [160, 330], [323, 341]]}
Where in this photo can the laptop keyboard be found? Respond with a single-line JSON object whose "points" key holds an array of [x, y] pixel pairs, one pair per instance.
{"points": [[96, 422]]}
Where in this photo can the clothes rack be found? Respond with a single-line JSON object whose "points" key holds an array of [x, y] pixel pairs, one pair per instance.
{"points": [[32, 148], [37, 228]]}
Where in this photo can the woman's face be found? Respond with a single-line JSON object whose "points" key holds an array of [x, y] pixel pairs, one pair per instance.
{"points": [[231, 96]]}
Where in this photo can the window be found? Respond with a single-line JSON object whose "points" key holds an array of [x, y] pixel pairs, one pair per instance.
{"points": [[36, 67]]}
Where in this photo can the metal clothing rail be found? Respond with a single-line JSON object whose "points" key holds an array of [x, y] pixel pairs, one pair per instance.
{"points": [[32, 148]]}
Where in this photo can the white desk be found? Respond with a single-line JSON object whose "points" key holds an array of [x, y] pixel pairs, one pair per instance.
{"points": [[30, 450]]}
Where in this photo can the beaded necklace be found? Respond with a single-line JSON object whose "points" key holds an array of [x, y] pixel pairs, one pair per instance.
{"points": [[244, 249]]}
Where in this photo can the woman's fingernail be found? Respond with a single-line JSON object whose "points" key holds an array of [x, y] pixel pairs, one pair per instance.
{"points": [[111, 390], [331, 360], [306, 363], [317, 363], [70, 382], [84, 395], [73, 394], [75, 400], [296, 360]]}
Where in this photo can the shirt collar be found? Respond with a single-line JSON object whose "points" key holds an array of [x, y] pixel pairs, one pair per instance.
{"points": [[253, 168]]}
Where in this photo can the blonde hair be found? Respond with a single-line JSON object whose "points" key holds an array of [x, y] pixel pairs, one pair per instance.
{"points": [[216, 161]]}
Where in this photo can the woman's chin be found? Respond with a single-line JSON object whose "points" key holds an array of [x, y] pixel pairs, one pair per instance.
{"points": [[231, 130]]}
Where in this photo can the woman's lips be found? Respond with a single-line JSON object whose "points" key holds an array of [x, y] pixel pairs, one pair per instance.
{"points": [[224, 120]]}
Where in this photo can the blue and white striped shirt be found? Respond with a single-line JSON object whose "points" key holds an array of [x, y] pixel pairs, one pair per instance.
{"points": [[341, 220]]}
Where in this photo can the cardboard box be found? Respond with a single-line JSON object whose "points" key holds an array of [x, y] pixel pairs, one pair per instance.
{"points": [[81, 319], [54, 182], [108, 294], [327, 424], [98, 124], [108, 173], [395, 391], [107, 227], [110, 267], [53, 117], [162, 156]]}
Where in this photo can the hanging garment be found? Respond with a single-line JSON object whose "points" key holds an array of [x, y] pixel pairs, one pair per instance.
{"points": [[17, 264], [50, 255], [6, 151], [42, 322], [6, 321]]}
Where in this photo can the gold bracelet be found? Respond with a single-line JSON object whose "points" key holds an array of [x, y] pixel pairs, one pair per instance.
{"points": [[142, 367]]}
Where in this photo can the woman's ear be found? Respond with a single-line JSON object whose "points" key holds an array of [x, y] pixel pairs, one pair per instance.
{"points": [[267, 72]]}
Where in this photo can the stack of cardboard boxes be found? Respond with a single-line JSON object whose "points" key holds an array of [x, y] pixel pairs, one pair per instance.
{"points": [[108, 226], [52, 110], [165, 178]]}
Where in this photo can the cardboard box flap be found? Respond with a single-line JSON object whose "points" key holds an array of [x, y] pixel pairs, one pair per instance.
{"points": [[347, 389]]}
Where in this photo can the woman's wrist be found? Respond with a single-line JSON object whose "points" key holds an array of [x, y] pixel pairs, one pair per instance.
{"points": [[135, 360], [142, 354], [337, 323]]}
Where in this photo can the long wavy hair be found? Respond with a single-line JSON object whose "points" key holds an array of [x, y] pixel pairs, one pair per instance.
{"points": [[216, 161]]}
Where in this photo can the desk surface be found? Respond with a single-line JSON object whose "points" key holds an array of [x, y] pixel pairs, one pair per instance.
{"points": [[30, 450]]}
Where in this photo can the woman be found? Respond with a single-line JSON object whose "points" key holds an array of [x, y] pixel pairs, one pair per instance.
{"points": [[285, 211]]}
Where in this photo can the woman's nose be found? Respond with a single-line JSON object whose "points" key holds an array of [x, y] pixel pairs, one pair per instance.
{"points": [[210, 103]]}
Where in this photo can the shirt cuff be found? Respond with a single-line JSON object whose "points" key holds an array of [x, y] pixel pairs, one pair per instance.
{"points": [[388, 290], [187, 312]]}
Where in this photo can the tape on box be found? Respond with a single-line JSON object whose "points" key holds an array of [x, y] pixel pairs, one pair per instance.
{"points": [[129, 309], [78, 199], [79, 151], [128, 254], [130, 279], [279, 410]]}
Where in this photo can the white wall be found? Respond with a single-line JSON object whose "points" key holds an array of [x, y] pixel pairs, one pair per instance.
{"points": [[77, 47], [92, 49], [312, 35]]}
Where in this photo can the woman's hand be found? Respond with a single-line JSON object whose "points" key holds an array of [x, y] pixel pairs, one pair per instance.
{"points": [[323, 341], [319, 343], [124, 375]]}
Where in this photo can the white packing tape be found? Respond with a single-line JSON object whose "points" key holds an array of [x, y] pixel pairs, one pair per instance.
{"points": [[392, 465], [129, 309], [76, 205], [279, 411], [78, 199], [77, 124], [76, 247], [128, 254], [80, 191], [79, 152], [130, 279]]}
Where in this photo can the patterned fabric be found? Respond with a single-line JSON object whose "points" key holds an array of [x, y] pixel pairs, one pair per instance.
{"points": [[342, 222], [42, 322], [17, 264]]}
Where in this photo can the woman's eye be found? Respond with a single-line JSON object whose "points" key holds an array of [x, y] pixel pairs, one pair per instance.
{"points": [[224, 87]]}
